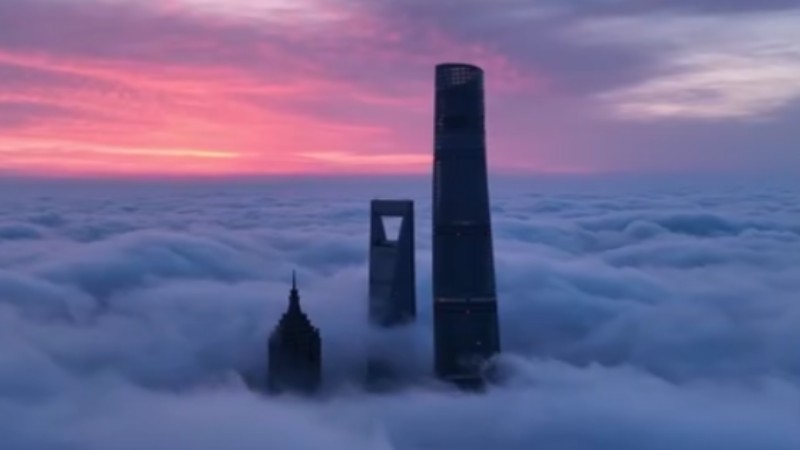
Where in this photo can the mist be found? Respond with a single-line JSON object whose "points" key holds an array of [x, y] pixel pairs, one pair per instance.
{"points": [[635, 314]]}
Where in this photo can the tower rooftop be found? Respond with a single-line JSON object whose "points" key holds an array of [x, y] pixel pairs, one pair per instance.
{"points": [[294, 349]]}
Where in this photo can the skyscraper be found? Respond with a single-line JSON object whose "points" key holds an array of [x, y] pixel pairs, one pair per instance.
{"points": [[392, 287], [295, 362], [466, 331]]}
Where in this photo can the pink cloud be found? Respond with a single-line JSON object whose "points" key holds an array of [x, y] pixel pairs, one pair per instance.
{"points": [[161, 90]]}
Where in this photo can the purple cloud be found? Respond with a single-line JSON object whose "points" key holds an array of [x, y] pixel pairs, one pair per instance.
{"points": [[592, 86], [661, 311]]}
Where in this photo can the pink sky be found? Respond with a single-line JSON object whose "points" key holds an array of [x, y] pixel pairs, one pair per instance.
{"points": [[212, 87]]}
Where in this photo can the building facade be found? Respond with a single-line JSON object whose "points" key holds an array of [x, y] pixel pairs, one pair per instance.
{"points": [[466, 330], [392, 288], [295, 351], [392, 278]]}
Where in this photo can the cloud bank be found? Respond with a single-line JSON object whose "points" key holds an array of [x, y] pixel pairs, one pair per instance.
{"points": [[634, 315]]}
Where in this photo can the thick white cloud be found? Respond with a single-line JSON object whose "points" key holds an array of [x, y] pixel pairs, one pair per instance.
{"points": [[634, 316]]}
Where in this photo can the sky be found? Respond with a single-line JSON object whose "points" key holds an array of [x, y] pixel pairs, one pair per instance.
{"points": [[634, 315], [230, 87]]}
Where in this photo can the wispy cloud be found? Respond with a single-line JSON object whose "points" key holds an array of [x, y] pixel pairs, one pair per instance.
{"points": [[192, 74], [365, 159], [280, 12], [275, 81], [744, 65]]}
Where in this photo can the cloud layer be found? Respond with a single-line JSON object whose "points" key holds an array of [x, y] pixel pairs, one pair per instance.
{"points": [[635, 314]]}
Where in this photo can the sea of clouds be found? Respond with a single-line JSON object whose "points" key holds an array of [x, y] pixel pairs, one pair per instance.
{"points": [[635, 314]]}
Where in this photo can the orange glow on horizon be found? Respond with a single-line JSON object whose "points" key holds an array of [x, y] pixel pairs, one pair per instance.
{"points": [[154, 119], [141, 112]]}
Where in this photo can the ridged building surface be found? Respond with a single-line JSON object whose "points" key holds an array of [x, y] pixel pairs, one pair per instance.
{"points": [[466, 331], [295, 357]]}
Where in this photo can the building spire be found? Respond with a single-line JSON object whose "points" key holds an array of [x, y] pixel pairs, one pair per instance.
{"points": [[294, 350], [294, 296]]}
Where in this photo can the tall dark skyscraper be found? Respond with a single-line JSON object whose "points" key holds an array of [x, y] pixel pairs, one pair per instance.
{"points": [[392, 285], [295, 359], [466, 331]]}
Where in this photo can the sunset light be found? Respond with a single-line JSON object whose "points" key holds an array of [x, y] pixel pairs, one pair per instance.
{"points": [[399, 224], [206, 87]]}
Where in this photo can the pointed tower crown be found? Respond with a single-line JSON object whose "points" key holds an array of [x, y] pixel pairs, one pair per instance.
{"points": [[294, 318], [294, 349], [294, 297]]}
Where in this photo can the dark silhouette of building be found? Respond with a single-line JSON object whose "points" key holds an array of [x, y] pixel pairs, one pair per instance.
{"points": [[392, 282], [295, 363], [466, 332]]}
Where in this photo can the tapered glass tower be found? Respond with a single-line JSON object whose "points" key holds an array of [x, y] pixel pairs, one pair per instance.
{"points": [[392, 289], [392, 285], [466, 330]]}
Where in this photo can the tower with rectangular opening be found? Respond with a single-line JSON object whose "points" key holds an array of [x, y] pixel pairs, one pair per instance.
{"points": [[466, 331], [392, 285]]}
